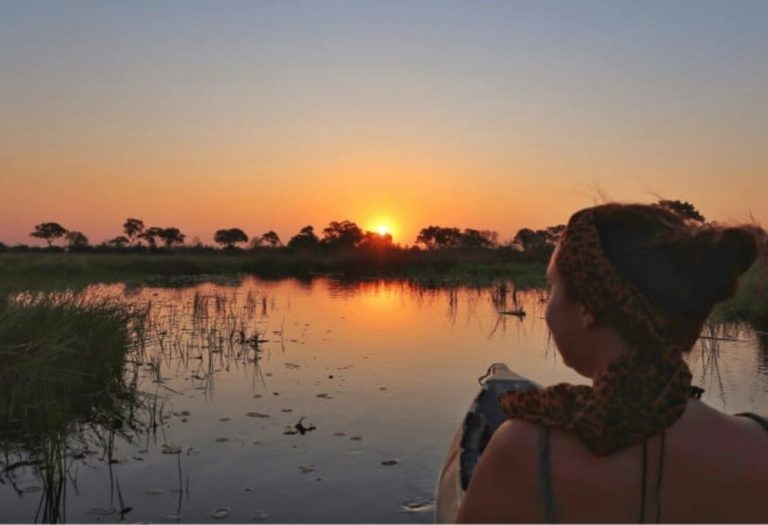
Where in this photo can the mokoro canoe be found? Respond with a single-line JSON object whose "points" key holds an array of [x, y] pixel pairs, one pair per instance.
{"points": [[482, 419]]}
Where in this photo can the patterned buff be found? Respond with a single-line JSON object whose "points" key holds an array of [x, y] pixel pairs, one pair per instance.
{"points": [[641, 393]]}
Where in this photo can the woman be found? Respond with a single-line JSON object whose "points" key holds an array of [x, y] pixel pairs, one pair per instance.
{"points": [[631, 286]]}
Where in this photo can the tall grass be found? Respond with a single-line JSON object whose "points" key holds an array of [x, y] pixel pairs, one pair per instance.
{"points": [[62, 371], [750, 304], [65, 270]]}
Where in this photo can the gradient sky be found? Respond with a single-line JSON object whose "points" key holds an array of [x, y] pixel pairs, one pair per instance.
{"points": [[278, 114]]}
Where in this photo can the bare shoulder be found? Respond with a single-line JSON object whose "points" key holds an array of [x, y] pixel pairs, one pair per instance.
{"points": [[718, 465], [503, 486]]}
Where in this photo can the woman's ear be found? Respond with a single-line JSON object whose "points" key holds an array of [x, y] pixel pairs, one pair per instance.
{"points": [[587, 319]]}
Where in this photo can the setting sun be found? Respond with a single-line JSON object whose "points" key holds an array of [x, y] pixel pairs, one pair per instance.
{"points": [[383, 229]]}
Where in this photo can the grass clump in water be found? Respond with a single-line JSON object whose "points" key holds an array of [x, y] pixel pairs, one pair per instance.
{"points": [[62, 380]]}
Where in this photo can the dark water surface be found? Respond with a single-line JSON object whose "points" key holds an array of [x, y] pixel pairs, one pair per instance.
{"points": [[383, 371]]}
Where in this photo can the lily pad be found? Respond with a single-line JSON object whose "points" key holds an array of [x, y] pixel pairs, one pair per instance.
{"points": [[418, 504], [170, 448], [259, 515], [221, 513]]}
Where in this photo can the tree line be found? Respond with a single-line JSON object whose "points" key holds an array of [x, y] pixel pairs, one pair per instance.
{"points": [[338, 234]]}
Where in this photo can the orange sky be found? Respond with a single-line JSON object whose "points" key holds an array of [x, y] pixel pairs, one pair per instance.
{"points": [[275, 115]]}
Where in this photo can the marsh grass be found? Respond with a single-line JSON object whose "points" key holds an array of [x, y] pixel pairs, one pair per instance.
{"points": [[46, 271], [63, 387], [750, 304]]}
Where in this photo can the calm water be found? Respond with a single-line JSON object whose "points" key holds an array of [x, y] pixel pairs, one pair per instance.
{"points": [[382, 370]]}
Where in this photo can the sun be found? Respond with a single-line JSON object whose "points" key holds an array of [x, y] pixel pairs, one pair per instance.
{"points": [[383, 229]]}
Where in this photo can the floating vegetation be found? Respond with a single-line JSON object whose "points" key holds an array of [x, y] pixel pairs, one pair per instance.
{"points": [[418, 504], [258, 515], [221, 513], [299, 428], [170, 448]]}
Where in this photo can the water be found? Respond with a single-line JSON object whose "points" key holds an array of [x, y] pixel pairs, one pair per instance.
{"points": [[383, 371]]}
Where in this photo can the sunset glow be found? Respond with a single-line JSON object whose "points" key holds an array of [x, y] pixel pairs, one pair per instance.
{"points": [[275, 115]]}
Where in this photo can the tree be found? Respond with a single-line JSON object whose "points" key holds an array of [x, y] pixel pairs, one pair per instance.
{"points": [[132, 229], [150, 235], [376, 241], [270, 239], [684, 209], [437, 237], [229, 237], [428, 237], [76, 239], [118, 242], [478, 239], [49, 231], [305, 239], [171, 236], [539, 243], [344, 233]]}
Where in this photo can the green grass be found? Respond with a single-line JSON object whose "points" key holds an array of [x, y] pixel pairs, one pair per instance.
{"points": [[750, 304], [45, 271], [62, 377], [61, 361]]}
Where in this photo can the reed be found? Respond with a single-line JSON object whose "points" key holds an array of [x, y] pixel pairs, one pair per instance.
{"points": [[63, 386], [44, 271]]}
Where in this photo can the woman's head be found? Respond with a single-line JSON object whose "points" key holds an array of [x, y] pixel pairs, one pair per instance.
{"points": [[646, 272]]}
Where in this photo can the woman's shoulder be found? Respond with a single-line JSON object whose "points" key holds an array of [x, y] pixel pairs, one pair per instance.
{"points": [[504, 485]]}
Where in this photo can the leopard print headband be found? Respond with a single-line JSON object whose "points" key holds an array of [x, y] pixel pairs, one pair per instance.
{"points": [[642, 392]]}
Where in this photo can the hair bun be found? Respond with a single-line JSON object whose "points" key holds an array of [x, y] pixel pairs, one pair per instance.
{"points": [[739, 245], [730, 253]]}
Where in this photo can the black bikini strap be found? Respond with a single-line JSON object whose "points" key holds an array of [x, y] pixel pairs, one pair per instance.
{"points": [[643, 482], [660, 476], [754, 417]]}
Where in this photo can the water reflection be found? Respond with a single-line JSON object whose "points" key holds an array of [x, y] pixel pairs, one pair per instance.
{"points": [[217, 372]]}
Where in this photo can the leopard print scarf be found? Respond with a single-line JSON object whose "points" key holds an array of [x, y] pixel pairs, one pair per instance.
{"points": [[639, 394]]}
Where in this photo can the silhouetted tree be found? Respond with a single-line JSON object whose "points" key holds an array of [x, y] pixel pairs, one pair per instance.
{"points": [[118, 242], [306, 238], [151, 235], [344, 233], [270, 239], [171, 236], [428, 237], [229, 237], [478, 239], [684, 209], [49, 231], [376, 241], [539, 243], [76, 239], [436, 237], [132, 229]]}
